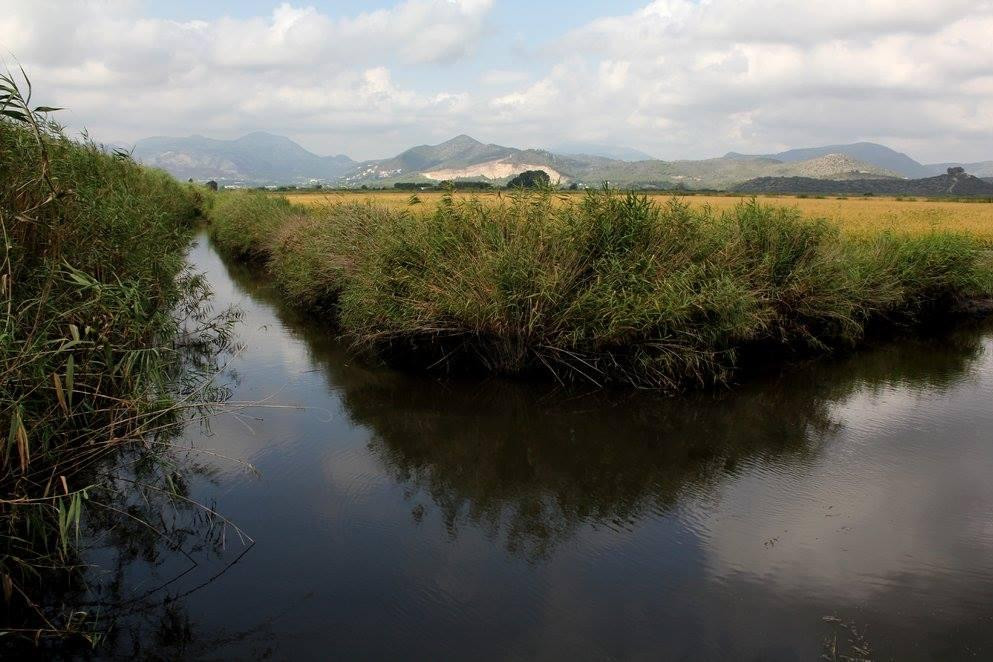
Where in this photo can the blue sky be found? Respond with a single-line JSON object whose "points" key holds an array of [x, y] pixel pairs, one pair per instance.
{"points": [[534, 20], [674, 78], [519, 12]]}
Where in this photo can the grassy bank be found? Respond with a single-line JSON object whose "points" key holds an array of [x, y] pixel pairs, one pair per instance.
{"points": [[609, 288], [93, 304]]}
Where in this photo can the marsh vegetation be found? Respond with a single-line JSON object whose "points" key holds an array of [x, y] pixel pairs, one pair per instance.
{"points": [[605, 288], [101, 332], [854, 215]]}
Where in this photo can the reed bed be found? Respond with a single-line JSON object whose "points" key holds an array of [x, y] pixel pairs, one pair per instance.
{"points": [[603, 288], [854, 215], [95, 313]]}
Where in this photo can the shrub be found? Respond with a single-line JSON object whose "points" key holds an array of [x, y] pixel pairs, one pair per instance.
{"points": [[530, 179], [622, 289]]}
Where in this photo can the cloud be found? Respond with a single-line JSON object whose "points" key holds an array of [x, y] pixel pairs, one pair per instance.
{"points": [[503, 77], [679, 78], [733, 74], [297, 70], [419, 31]]}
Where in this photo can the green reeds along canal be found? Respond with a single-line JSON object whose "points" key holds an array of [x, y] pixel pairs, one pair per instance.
{"points": [[842, 506]]}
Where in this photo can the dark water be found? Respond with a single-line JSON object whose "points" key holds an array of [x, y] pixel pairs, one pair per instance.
{"points": [[846, 501]]}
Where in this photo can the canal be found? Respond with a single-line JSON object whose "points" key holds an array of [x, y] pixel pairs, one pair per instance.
{"points": [[839, 507]]}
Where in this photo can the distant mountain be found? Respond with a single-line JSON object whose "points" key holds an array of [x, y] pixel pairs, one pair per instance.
{"points": [[980, 169], [459, 151], [950, 184], [722, 173], [615, 152], [877, 155], [834, 166], [465, 158], [263, 158], [258, 158]]}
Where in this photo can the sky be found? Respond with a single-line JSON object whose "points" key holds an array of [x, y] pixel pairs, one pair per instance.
{"points": [[673, 78]]}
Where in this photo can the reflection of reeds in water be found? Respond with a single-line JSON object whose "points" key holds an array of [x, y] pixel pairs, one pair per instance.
{"points": [[846, 643], [532, 468]]}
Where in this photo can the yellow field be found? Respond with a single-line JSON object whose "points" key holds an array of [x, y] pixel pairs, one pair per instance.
{"points": [[856, 215]]}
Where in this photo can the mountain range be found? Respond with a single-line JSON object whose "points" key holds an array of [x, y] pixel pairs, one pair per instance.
{"points": [[255, 158], [266, 159], [878, 155]]}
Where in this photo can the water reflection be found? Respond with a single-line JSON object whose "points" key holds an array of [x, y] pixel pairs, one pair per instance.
{"points": [[531, 463], [399, 515]]}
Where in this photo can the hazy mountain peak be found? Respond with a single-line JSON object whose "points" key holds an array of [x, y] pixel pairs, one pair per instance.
{"points": [[461, 140], [255, 158], [260, 136]]}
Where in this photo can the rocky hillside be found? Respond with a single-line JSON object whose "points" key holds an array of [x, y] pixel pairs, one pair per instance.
{"points": [[981, 169], [833, 166], [879, 156], [465, 158]]}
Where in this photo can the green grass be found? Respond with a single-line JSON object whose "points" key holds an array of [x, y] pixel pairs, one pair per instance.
{"points": [[93, 301], [612, 289], [312, 254], [247, 221]]}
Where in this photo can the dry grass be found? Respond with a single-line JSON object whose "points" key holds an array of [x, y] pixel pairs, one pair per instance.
{"points": [[855, 215]]}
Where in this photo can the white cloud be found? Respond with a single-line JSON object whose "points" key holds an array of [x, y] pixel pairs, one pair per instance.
{"points": [[503, 77], [125, 76], [733, 74], [679, 78]]}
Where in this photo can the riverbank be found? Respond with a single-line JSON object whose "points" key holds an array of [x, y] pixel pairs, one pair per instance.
{"points": [[97, 319], [608, 289]]}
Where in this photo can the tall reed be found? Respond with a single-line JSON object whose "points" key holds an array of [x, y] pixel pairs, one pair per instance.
{"points": [[616, 288], [96, 314]]}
